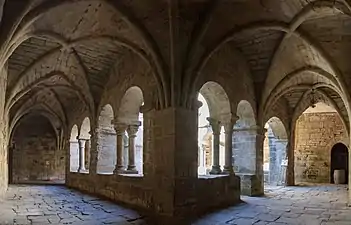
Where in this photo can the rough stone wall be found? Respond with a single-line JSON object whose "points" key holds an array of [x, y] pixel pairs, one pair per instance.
{"points": [[3, 135], [316, 133], [244, 151], [35, 156]]}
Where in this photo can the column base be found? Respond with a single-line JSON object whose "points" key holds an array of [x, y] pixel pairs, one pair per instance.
{"points": [[131, 170], [82, 170], [120, 170], [215, 170], [228, 170]]}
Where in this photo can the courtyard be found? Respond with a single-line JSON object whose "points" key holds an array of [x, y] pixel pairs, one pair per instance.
{"points": [[300, 205]]}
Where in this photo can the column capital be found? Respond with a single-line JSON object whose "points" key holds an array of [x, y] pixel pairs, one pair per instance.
{"points": [[82, 140], [133, 129], [120, 128], [229, 124], [215, 124]]}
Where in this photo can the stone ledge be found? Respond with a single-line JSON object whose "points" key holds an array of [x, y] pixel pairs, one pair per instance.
{"points": [[131, 175], [212, 176]]}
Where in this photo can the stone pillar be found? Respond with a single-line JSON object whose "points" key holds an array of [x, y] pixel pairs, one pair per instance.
{"points": [[228, 129], [132, 130], [93, 152], [120, 131], [248, 156], [216, 129], [173, 160], [87, 154], [258, 186], [81, 144], [290, 147]]}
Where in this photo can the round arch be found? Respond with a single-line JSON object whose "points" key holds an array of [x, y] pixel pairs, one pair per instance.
{"points": [[339, 160], [214, 111], [217, 100], [85, 129], [129, 108], [275, 152], [130, 116], [74, 149], [106, 141], [246, 115]]}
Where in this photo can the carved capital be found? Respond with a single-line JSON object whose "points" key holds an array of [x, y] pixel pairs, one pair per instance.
{"points": [[133, 129], [120, 128], [229, 124], [215, 124]]}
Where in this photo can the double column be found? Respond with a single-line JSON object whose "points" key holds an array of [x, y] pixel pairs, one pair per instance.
{"points": [[132, 129], [216, 130]]}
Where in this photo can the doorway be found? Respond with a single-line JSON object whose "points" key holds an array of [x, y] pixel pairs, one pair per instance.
{"points": [[339, 161]]}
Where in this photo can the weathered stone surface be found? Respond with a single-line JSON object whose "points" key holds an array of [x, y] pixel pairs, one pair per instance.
{"points": [[316, 134], [34, 152], [69, 59]]}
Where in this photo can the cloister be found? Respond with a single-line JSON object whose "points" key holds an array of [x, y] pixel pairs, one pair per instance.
{"points": [[175, 108]]}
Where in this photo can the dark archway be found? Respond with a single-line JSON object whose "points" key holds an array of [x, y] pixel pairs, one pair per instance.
{"points": [[35, 156], [339, 161]]}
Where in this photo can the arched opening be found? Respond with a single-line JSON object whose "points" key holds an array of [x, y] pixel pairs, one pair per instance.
{"points": [[213, 115], [339, 160], [36, 157], [130, 127], [106, 141], [74, 150], [244, 144], [317, 129], [84, 141], [275, 152]]}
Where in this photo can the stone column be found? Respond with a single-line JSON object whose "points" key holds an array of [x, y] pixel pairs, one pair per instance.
{"points": [[93, 151], [216, 129], [228, 129], [132, 130], [259, 189], [120, 131], [87, 156], [81, 144], [290, 173]]}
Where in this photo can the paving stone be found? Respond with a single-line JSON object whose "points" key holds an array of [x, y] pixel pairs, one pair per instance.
{"points": [[281, 206]]}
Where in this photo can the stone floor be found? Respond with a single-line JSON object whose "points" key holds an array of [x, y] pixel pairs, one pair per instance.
{"points": [[59, 205], [299, 205], [304, 205]]}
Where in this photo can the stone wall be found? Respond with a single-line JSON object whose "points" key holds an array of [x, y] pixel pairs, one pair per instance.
{"points": [[170, 185], [3, 135], [316, 133], [34, 152]]}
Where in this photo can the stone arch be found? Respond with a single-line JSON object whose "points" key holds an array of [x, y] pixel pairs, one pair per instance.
{"points": [[246, 115], [275, 152], [74, 149], [106, 141], [247, 163], [339, 160], [84, 137], [213, 113], [130, 115], [34, 153], [245, 131]]}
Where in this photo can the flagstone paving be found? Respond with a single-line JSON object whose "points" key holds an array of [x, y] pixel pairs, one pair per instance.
{"points": [[300, 205]]}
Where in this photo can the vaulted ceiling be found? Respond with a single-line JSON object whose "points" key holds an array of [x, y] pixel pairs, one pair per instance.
{"points": [[61, 53]]}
